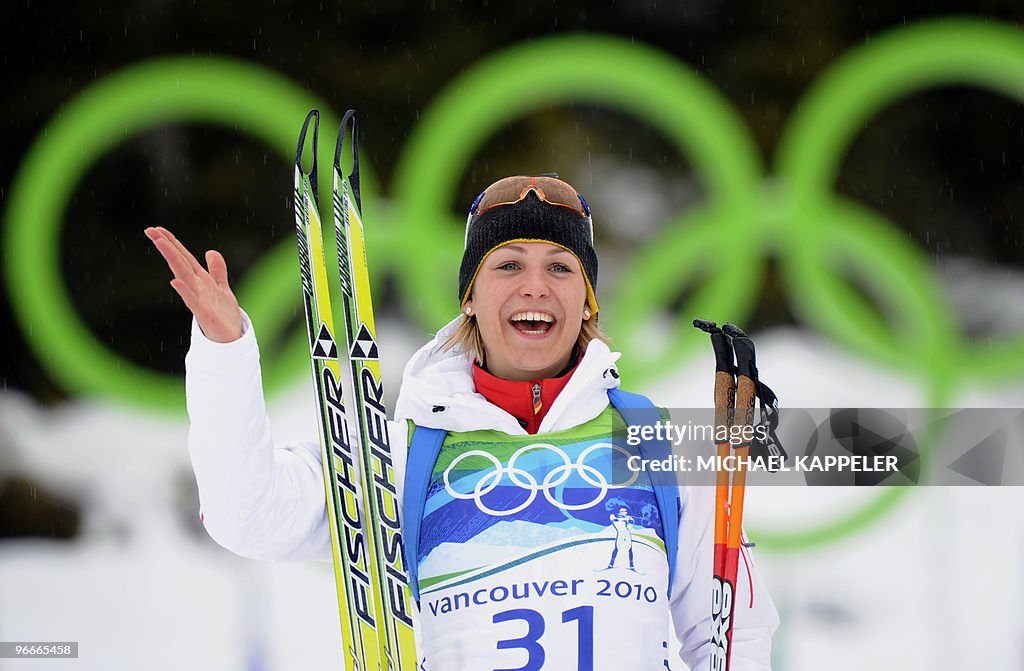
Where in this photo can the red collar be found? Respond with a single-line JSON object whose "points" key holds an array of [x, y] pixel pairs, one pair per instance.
{"points": [[518, 398]]}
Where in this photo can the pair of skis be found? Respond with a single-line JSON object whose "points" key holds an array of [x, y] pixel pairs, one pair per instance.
{"points": [[362, 502], [737, 388]]}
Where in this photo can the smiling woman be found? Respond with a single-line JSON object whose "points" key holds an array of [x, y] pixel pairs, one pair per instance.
{"points": [[539, 290], [528, 301], [509, 490]]}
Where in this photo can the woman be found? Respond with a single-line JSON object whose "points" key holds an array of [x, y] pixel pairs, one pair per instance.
{"points": [[526, 553]]}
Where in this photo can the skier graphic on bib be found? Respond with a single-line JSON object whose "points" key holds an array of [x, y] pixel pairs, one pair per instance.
{"points": [[622, 522]]}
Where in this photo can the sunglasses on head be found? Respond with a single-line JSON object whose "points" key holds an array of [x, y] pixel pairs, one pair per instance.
{"points": [[510, 190]]}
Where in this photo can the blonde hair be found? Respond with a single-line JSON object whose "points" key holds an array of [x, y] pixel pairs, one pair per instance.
{"points": [[467, 337]]}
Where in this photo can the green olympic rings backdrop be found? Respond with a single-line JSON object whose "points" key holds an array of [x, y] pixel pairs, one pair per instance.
{"points": [[818, 236], [229, 93]]}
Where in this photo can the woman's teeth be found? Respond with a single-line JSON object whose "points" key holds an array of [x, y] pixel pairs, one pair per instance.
{"points": [[532, 317], [532, 323]]}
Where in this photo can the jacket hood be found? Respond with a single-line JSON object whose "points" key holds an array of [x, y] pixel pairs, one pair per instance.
{"points": [[437, 391]]}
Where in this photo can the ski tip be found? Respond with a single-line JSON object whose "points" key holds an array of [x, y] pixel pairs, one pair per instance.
{"points": [[733, 331], [348, 119], [706, 326], [314, 117]]}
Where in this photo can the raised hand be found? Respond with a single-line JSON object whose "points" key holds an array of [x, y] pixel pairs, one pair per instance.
{"points": [[205, 292]]}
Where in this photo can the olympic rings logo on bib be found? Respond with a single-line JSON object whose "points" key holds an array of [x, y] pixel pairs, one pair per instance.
{"points": [[524, 480]]}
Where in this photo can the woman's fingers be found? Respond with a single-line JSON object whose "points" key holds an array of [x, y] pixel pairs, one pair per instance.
{"points": [[182, 263], [177, 260], [205, 293], [182, 250], [181, 269], [218, 267], [187, 295]]}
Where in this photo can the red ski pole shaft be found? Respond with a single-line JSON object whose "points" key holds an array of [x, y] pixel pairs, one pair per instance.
{"points": [[725, 391], [746, 396], [725, 397]]}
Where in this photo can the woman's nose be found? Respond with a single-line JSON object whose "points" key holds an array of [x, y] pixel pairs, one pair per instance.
{"points": [[535, 283]]}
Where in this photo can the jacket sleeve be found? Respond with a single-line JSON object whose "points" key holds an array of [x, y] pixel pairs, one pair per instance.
{"points": [[257, 499], [755, 617]]}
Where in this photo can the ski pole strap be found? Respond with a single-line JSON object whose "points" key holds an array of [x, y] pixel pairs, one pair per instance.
{"points": [[638, 410], [770, 446]]}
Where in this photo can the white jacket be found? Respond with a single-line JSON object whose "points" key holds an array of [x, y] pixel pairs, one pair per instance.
{"points": [[267, 501]]}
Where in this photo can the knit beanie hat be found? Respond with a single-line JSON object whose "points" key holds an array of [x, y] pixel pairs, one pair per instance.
{"points": [[529, 209]]}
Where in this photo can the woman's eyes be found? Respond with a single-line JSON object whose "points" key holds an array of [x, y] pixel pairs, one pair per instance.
{"points": [[557, 267]]}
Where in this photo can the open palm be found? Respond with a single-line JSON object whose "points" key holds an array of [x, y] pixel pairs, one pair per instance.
{"points": [[205, 291]]}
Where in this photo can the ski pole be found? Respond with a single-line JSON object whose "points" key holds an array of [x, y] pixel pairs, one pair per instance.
{"points": [[746, 396], [735, 394], [725, 398]]}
